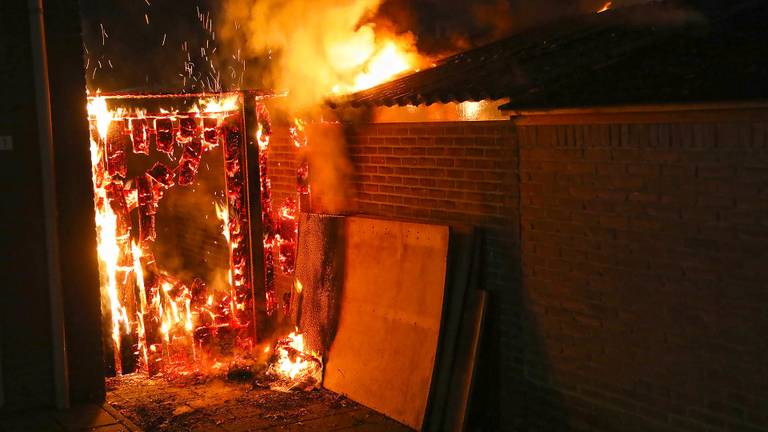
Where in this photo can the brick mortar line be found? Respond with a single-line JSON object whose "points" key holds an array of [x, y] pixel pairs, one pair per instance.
{"points": [[499, 226], [664, 424]]}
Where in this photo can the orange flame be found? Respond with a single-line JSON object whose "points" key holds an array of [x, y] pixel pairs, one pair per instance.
{"points": [[320, 48], [382, 61], [294, 365], [605, 7], [298, 286], [222, 213], [108, 248], [218, 104], [139, 273], [262, 138], [170, 307]]}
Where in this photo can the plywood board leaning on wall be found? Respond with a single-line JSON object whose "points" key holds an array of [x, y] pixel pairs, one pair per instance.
{"points": [[384, 350]]}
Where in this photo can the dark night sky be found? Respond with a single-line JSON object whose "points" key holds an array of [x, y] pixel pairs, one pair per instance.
{"points": [[133, 57]]}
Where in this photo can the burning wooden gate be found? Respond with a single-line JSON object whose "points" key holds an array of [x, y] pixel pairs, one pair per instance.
{"points": [[182, 283]]}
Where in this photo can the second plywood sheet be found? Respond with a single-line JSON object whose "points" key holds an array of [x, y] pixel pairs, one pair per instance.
{"points": [[384, 350]]}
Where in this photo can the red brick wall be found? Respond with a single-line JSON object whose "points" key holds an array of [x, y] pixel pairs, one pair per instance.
{"points": [[281, 166], [641, 304], [456, 173]]}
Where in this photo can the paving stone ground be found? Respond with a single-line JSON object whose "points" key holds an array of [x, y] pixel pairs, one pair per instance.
{"points": [[136, 403], [90, 417], [217, 405]]}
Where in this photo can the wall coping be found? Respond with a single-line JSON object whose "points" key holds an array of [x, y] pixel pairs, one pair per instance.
{"points": [[719, 112]]}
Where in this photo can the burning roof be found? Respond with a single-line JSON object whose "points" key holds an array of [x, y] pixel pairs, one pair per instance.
{"points": [[656, 52]]}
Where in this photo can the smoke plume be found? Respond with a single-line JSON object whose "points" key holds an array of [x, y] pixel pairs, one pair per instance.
{"points": [[307, 48]]}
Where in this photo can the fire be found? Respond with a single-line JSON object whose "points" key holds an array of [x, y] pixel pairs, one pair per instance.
{"points": [[97, 108], [108, 248], [177, 315], [222, 213], [139, 274], [318, 49], [262, 138], [298, 135], [298, 286], [219, 104], [109, 253], [291, 367], [294, 364], [384, 61], [605, 7], [161, 320]]}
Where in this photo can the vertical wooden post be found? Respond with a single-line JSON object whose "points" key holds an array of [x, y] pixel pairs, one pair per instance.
{"points": [[253, 194]]}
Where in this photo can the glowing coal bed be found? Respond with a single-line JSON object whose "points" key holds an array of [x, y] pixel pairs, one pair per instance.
{"points": [[174, 224]]}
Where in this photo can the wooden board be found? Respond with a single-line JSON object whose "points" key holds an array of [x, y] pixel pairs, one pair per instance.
{"points": [[391, 304], [465, 363], [463, 257]]}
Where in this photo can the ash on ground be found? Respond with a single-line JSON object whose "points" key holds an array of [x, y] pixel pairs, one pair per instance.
{"points": [[239, 400]]}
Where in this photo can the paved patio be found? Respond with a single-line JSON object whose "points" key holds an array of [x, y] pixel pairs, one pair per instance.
{"points": [[90, 417], [136, 403]]}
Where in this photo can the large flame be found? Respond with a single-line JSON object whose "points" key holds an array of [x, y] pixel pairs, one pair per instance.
{"points": [[160, 320], [367, 61], [318, 48], [108, 248]]}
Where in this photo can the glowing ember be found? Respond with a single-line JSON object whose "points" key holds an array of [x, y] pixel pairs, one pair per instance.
{"points": [[280, 225], [139, 274], [299, 137], [605, 7], [165, 323], [295, 367]]}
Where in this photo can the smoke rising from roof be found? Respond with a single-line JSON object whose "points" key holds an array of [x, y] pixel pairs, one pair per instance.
{"points": [[306, 47], [148, 46]]}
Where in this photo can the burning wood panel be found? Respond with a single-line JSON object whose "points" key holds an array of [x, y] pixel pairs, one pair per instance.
{"points": [[162, 320], [170, 305]]}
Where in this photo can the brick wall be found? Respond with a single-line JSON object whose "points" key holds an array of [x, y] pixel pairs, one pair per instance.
{"points": [[446, 173], [641, 304], [455, 173], [643, 249], [281, 165]]}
